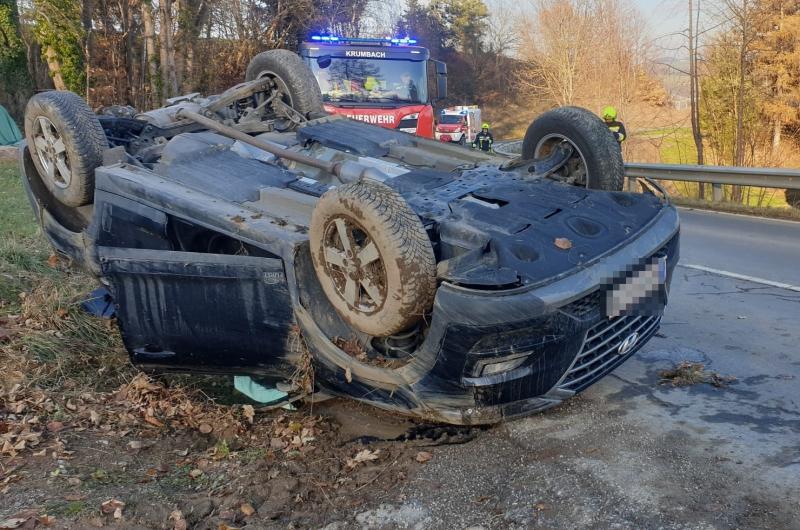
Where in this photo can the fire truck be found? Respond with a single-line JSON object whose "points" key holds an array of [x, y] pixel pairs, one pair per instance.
{"points": [[459, 124], [380, 81]]}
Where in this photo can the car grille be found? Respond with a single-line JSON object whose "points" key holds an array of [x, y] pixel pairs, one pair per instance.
{"points": [[582, 307], [598, 355]]}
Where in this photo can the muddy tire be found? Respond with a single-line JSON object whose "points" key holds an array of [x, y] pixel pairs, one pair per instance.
{"points": [[598, 160], [293, 77], [793, 198], [66, 143], [373, 257]]}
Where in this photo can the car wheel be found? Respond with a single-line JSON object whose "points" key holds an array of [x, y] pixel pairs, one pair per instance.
{"points": [[597, 159], [793, 198], [67, 143], [292, 76], [373, 257]]}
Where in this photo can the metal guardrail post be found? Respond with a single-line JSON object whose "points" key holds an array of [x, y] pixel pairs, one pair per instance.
{"points": [[716, 193]]}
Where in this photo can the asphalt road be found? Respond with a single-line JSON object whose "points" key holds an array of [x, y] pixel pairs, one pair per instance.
{"points": [[753, 246], [634, 451]]}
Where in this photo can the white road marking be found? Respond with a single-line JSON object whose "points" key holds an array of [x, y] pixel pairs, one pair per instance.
{"points": [[779, 285], [732, 214]]}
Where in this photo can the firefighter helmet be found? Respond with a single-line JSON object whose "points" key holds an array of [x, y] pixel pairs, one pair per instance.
{"points": [[609, 113]]}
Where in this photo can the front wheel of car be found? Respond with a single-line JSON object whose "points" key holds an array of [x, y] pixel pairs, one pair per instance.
{"points": [[596, 160], [372, 257], [66, 142]]}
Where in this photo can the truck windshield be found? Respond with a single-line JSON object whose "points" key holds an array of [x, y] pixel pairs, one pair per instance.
{"points": [[372, 80], [451, 119]]}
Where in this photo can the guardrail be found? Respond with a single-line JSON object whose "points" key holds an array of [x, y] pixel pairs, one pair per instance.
{"points": [[764, 177]]}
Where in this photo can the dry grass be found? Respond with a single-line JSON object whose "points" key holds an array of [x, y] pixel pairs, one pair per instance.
{"points": [[688, 373]]}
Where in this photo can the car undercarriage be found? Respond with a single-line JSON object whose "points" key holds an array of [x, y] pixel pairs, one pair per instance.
{"points": [[250, 233]]}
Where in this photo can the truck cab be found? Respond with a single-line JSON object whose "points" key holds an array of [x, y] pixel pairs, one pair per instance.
{"points": [[379, 81]]}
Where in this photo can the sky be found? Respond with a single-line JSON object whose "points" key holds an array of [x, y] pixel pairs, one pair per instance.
{"points": [[665, 18]]}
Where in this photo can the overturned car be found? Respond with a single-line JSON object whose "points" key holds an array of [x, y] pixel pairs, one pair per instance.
{"points": [[251, 233]]}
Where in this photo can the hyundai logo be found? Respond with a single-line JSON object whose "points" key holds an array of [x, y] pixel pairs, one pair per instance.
{"points": [[627, 345]]}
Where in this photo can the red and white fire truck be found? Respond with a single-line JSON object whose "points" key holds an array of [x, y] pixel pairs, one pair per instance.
{"points": [[459, 124], [379, 81]]}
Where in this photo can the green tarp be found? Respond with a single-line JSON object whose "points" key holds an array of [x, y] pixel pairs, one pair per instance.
{"points": [[9, 132]]}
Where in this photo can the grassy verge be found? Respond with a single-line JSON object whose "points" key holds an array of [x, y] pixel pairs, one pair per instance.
{"points": [[48, 341]]}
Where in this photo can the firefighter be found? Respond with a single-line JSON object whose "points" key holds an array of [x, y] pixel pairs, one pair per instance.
{"points": [[484, 139], [616, 127]]}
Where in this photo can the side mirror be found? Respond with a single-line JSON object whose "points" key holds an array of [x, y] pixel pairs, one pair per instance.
{"points": [[441, 80]]}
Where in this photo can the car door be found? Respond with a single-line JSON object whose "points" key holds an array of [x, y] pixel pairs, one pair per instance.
{"points": [[192, 310]]}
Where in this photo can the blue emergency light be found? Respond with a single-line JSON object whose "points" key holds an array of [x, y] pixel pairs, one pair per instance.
{"points": [[360, 40]]}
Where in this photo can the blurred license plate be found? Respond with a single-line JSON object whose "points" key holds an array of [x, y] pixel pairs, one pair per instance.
{"points": [[641, 291]]}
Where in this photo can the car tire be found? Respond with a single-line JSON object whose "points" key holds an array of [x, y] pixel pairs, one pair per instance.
{"points": [[67, 143], [368, 220], [793, 198], [294, 78], [599, 158]]}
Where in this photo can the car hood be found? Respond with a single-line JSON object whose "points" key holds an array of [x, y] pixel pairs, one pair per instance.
{"points": [[497, 229]]}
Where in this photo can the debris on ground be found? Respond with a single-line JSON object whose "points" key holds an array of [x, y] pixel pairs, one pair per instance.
{"points": [[356, 350], [688, 373]]}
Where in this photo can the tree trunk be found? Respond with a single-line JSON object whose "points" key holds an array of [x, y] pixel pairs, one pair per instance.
{"points": [[55, 68], [88, 45], [776, 135], [694, 93], [168, 77], [150, 49]]}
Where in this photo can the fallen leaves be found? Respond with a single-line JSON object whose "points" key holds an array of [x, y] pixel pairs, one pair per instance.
{"points": [[688, 373], [365, 455], [247, 509], [114, 507], [249, 413], [563, 243], [178, 522], [423, 456]]}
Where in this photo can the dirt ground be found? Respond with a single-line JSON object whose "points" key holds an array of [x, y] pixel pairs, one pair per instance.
{"points": [[151, 466]]}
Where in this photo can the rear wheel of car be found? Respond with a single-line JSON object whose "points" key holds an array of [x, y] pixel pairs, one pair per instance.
{"points": [[373, 257], [67, 143], [597, 159], [292, 77], [793, 198]]}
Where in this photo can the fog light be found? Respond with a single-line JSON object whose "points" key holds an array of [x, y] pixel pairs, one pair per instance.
{"points": [[503, 366]]}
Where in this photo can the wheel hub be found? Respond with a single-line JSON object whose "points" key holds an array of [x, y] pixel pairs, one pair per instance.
{"points": [[354, 265], [575, 170], [51, 151]]}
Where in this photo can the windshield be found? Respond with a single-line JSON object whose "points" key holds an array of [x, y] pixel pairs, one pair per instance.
{"points": [[451, 119], [372, 80]]}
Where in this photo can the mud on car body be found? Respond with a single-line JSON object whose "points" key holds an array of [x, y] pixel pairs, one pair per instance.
{"points": [[421, 277]]}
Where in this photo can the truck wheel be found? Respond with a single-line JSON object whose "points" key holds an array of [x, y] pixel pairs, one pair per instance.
{"points": [[293, 77], [67, 143], [373, 257], [793, 198], [597, 159]]}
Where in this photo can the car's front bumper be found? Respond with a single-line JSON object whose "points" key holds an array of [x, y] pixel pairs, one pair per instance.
{"points": [[554, 339]]}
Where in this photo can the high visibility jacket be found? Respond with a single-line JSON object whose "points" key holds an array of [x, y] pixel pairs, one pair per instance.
{"points": [[618, 129], [483, 141]]}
